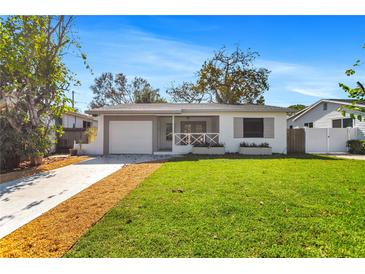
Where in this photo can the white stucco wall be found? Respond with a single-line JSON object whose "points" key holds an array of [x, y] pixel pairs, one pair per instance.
{"points": [[226, 129], [278, 143], [323, 118]]}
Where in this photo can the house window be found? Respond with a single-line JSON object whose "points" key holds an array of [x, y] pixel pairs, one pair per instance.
{"points": [[347, 122], [253, 127], [324, 106], [86, 124], [58, 121], [336, 123], [309, 125], [168, 132], [342, 123]]}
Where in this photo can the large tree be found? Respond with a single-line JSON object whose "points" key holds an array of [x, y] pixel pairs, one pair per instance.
{"points": [[227, 78], [143, 92], [297, 107], [113, 90], [356, 92], [33, 77]]}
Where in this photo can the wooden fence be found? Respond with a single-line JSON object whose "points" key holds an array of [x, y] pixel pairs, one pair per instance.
{"points": [[296, 140]]}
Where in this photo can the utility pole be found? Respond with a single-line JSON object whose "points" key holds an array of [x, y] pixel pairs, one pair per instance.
{"points": [[73, 106]]}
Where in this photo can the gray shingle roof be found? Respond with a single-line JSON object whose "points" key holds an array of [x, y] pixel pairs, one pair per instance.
{"points": [[347, 101], [185, 108]]}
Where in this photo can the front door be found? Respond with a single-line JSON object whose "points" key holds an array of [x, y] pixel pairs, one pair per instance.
{"points": [[165, 135]]}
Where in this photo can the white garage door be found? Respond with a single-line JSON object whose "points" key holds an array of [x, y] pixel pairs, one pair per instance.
{"points": [[130, 137]]}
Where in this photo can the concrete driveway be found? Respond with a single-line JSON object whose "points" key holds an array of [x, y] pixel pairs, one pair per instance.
{"points": [[25, 199]]}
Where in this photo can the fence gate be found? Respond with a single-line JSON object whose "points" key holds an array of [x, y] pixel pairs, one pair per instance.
{"points": [[296, 140], [328, 140]]}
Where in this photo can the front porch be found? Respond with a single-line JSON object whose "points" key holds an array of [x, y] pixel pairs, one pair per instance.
{"points": [[177, 134]]}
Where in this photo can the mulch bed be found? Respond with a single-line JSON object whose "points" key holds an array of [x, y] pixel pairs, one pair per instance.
{"points": [[56, 231], [49, 163]]}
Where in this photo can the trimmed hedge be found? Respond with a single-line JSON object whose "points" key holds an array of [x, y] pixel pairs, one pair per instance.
{"points": [[356, 146]]}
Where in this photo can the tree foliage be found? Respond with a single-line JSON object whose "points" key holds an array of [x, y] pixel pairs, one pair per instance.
{"points": [[33, 77], [113, 90], [297, 107], [227, 78], [187, 92], [356, 92]]}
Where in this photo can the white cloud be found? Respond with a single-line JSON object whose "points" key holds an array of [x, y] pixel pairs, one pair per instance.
{"points": [[292, 83], [142, 54], [163, 60], [282, 68], [314, 92]]}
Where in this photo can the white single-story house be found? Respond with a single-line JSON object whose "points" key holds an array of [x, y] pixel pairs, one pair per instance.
{"points": [[325, 114], [175, 128], [78, 120]]}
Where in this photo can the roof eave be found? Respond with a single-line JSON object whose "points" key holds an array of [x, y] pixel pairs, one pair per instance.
{"points": [[121, 111], [156, 112]]}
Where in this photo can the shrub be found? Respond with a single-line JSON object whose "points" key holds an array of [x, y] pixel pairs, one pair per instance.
{"points": [[245, 144], [91, 134], [356, 146], [10, 148], [264, 145], [209, 145]]}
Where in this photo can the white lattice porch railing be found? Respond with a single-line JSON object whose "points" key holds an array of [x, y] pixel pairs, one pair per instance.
{"points": [[196, 138]]}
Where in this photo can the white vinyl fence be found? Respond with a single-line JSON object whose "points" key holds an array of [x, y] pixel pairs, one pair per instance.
{"points": [[328, 140]]}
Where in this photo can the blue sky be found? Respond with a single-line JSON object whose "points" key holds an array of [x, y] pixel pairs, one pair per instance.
{"points": [[307, 55]]}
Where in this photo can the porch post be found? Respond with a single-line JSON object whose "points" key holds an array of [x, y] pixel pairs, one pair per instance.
{"points": [[173, 132]]}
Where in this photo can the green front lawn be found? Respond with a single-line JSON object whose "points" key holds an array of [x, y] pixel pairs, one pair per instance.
{"points": [[273, 207]]}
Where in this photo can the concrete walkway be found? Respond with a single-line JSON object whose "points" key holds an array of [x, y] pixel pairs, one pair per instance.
{"points": [[349, 156], [25, 199]]}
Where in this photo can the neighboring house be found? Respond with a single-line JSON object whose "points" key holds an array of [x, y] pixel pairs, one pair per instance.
{"points": [[174, 128], [78, 120], [325, 114], [74, 127]]}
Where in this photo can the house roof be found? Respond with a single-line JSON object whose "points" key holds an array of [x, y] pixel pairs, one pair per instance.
{"points": [[183, 108], [348, 102], [80, 115]]}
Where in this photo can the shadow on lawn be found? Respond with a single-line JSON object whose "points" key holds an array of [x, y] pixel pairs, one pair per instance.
{"points": [[236, 156]]}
